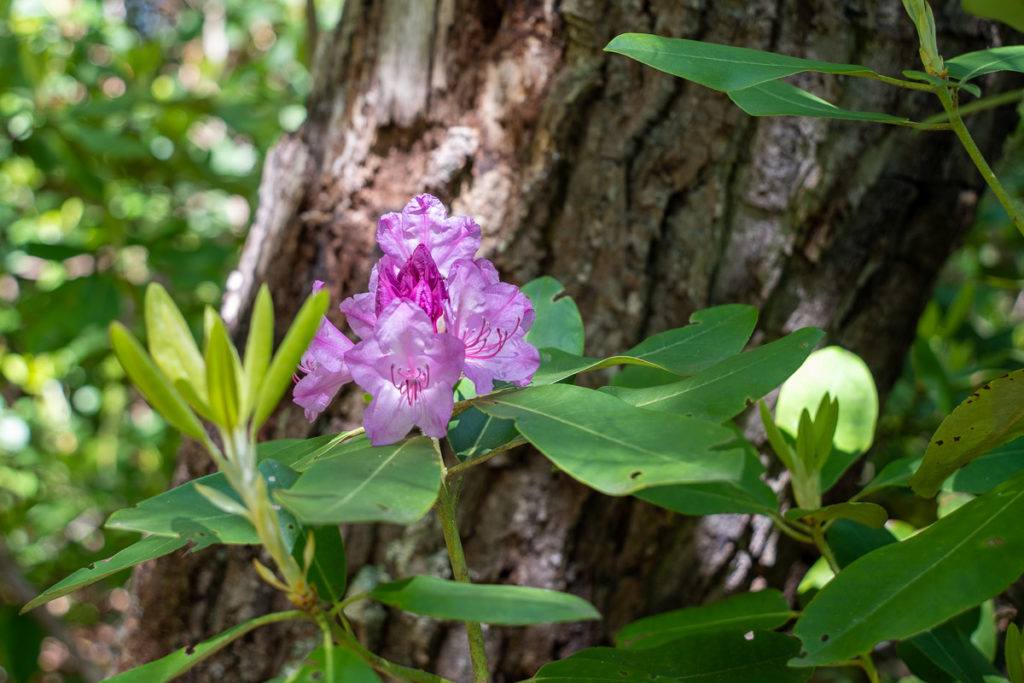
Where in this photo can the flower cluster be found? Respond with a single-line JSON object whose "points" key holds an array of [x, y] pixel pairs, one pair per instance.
{"points": [[433, 314]]}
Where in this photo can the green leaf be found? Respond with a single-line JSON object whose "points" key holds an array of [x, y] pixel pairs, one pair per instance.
{"points": [[613, 447], [725, 389], [747, 495], [485, 603], [348, 668], [223, 376], [1014, 654], [183, 512], [713, 335], [364, 483], [850, 541], [896, 473], [723, 657], [170, 341], [558, 324], [556, 365], [989, 470], [949, 649], [279, 375], [258, 347], [474, 433], [868, 514], [141, 551], [1009, 12], [778, 98], [720, 67], [990, 416], [152, 383], [974, 64], [843, 375], [329, 570], [178, 662], [763, 610], [906, 588]]}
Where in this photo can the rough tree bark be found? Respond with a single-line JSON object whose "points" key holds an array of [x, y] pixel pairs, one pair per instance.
{"points": [[649, 198]]}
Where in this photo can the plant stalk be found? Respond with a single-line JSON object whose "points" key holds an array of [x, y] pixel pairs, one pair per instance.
{"points": [[964, 135], [386, 666], [474, 633]]}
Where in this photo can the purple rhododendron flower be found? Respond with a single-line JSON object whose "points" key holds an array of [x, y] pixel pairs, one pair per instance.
{"points": [[425, 221], [491, 318], [410, 370], [433, 314]]}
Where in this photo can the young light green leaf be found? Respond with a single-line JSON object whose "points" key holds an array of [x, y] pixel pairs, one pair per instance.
{"points": [[279, 375], [990, 416], [725, 389], [974, 64], [1007, 11], [843, 375], [906, 588], [722, 657], [363, 483], [779, 98], [258, 347], [224, 380], [868, 514], [152, 383], [178, 662], [558, 324], [141, 551], [613, 447], [484, 603], [720, 67], [171, 343], [763, 610], [920, 13]]}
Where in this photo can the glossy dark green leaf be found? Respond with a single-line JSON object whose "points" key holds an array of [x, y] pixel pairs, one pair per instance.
{"points": [[746, 495], [868, 514], [474, 433], [906, 588], [723, 657], [713, 335], [186, 513], [178, 662], [141, 551], [153, 384], [990, 470], [990, 416], [558, 324], [348, 668], [329, 570], [363, 483], [974, 64], [486, 603], [556, 365], [948, 649], [613, 447], [763, 610], [850, 541], [279, 375], [719, 67], [895, 473], [1010, 12], [779, 98], [1014, 654], [725, 389]]}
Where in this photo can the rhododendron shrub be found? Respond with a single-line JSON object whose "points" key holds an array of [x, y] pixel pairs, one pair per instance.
{"points": [[461, 366]]}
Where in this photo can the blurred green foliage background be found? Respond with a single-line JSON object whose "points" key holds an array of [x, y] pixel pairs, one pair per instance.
{"points": [[131, 138]]}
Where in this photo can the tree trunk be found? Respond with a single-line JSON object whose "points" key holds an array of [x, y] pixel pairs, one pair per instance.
{"points": [[649, 198]]}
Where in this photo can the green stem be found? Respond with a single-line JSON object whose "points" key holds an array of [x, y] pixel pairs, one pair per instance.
{"points": [[949, 104], [869, 668], [325, 627], [475, 634], [787, 529], [983, 104], [898, 82]]}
